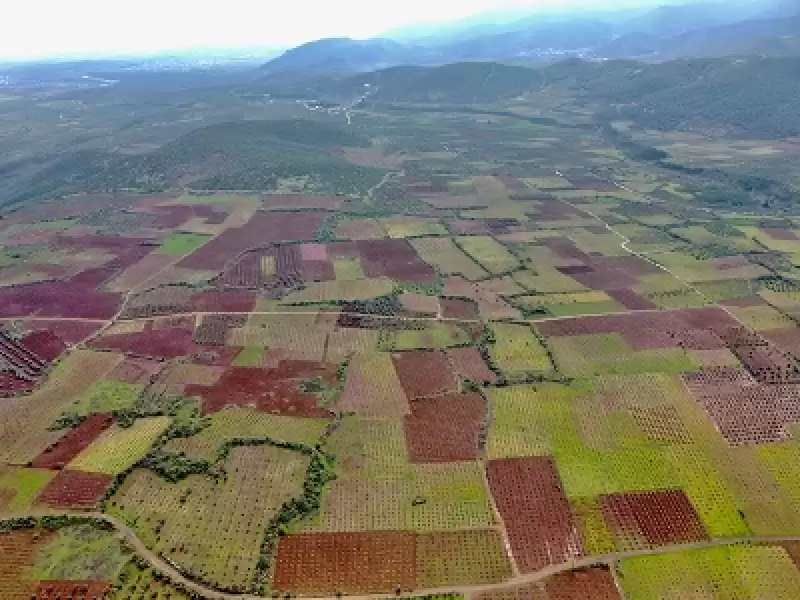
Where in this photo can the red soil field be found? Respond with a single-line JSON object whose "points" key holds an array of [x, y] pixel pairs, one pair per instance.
{"points": [[786, 339], [92, 278], [17, 359], [272, 390], [394, 258], [652, 519], [313, 252], [170, 217], [710, 377], [537, 514], [213, 331], [76, 590], [768, 364], [632, 265], [343, 250], [511, 183], [45, 344], [698, 329], [592, 583], [75, 489], [135, 370], [745, 412], [246, 271], [565, 248], [170, 342], [216, 356], [793, 550], [61, 299], [777, 233], [424, 373], [223, 301], [730, 262], [469, 364], [470, 227], [73, 442], [351, 563], [264, 228], [631, 300], [555, 210], [70, 332], [502, 226], [18, 553], [31, 238], [600, 278], [453, 308], [10, 384], [318, 270], [445, 429], [127, 250], [288, 261]]}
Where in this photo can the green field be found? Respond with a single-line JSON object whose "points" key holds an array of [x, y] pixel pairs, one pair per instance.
{"points": [[178, 244]]}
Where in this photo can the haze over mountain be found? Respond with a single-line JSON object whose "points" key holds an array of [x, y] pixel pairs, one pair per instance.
{"points": [[764, 28]]}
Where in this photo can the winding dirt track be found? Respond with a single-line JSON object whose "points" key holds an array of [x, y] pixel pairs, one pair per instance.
{"points": [[167, 569]]}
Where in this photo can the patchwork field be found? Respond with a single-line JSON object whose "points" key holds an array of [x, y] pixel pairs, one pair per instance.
{"points": [[504, 349]]}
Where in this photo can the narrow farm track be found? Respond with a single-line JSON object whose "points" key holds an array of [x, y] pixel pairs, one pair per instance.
{"points": [[610, 560], [625, 245], [378, 317]]}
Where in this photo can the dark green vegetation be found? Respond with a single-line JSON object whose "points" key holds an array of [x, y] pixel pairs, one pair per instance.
{"points": [[245, 155], [243, 136]]}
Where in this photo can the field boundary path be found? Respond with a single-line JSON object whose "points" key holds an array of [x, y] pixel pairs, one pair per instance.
{"points": [[610, 560]]}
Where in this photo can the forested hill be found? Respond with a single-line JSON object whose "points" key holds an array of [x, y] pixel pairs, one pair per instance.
{"points": [[241, 155], [465, 82], [754, 94]]}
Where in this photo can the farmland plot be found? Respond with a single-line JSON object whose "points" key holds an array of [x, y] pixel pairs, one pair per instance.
{"points": [[447, 258], [434, 497], [247, 423], [326, 563], [24, 423], [118, 449], [490, 254], [214, 529], [517, 350], [372, 388], [461, 558]]}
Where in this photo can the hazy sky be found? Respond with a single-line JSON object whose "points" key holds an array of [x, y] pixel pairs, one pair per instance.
{"points": [[33, 28]]}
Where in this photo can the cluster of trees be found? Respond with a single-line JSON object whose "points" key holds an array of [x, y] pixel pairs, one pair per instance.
{"points": [[240, 155], [319, 473]]}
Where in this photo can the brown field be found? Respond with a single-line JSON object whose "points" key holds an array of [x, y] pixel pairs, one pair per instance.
{"points": [[350, 563], [372, 388], [445, 429], [536, 512]]}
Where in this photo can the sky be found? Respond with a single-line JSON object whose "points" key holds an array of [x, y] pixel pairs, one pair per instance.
{"points": [[44, 28]]}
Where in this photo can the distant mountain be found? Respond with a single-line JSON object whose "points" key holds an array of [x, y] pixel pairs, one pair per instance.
{"points": [[543, 38], [458, 82], [749, 27], [668, 21], [774, 37], [778, 37], [341, 55], [751, 94]]}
